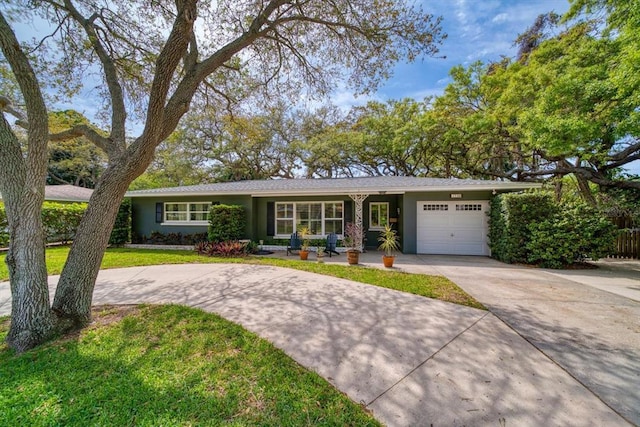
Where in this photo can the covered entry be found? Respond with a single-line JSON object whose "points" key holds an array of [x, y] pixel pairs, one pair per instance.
{"points": [[452, 228]]}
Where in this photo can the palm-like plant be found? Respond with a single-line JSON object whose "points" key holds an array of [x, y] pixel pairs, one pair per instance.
{"points": [[389, 240]]}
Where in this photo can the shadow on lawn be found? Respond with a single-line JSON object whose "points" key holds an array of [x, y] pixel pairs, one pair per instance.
{"points": [[130, 376]]}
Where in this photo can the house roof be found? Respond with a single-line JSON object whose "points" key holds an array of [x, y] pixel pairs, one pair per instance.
{"points": [[301, 187], [65, 193]]}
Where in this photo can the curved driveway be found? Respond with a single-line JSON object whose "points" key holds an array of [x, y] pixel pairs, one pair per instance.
{"points": [[410, 360]]}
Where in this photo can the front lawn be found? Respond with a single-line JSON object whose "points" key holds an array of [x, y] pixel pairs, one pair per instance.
{"points": [[437, 287], [169, 366]]}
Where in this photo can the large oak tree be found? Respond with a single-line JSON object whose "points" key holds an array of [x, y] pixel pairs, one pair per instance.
{"points": [[153, 58]]}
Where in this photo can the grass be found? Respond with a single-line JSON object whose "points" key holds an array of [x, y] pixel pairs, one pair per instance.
{"points": [[437, 287], [165, 365]]}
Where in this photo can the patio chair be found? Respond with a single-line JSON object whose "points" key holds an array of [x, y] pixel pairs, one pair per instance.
{"points": [[294, 244], [332, 241]]}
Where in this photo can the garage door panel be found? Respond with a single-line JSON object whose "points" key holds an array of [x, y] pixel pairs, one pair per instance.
{"points": [[452, 228]]}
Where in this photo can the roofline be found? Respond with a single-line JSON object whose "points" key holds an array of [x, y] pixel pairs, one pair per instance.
{"points": [[331, 192]]}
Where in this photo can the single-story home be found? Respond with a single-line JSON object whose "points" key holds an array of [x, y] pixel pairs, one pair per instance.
{"points": [[431, 215]]}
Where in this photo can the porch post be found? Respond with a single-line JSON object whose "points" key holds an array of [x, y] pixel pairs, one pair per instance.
{"points": [[359, 198]]}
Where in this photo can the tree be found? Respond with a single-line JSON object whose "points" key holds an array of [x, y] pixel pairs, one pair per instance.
{"points": [[73, 161], [154, 58]]}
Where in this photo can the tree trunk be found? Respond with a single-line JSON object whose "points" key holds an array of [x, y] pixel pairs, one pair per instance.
{"points": [[31, 319], [72, 301]]}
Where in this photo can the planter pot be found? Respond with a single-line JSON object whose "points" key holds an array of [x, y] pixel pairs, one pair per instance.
{"points": [[388, 260], [353, 257], [320, 259], [304, 255]]}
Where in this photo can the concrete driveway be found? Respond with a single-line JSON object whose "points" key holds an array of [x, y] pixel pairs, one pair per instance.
{"points": [[586, 321], [412, 361]]}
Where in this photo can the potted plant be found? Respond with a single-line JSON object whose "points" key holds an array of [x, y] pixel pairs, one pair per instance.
{"points": [[320, 254], [389, 242], [304, 233], [353, 241]]}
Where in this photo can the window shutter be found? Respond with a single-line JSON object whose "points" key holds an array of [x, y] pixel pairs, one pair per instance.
{"points": [[271, 218], [159, 212], [348, 212]]}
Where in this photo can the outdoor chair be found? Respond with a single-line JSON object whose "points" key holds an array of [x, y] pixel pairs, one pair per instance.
{"points": [[294, 244], [332, 241]]}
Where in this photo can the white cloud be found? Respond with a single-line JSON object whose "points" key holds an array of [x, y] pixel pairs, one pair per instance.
{"points": [[500, 18]]}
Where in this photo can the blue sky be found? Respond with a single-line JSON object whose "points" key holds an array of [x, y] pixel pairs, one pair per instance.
{"points": [[476, 30]]}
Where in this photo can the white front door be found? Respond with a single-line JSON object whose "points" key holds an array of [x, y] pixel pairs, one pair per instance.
{"points": [[452, 228]]}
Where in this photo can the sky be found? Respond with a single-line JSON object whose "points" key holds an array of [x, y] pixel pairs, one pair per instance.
{"points": [[476, 30]]}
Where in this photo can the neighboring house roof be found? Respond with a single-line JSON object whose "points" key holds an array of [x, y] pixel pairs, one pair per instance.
{"points": [[369, 185], [66, 193]]}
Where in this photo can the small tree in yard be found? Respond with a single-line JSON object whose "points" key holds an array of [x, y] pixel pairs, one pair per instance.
{"points": [[157, 59]]}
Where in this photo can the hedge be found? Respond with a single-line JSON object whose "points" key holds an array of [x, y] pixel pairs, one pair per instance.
{"points": [[532, 228], [226, 222], [511, 215], [121, 233], [572, 234], [61, 220]]}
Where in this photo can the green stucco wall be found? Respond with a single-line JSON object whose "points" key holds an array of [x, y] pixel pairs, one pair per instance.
{"points": [[143, 214]]}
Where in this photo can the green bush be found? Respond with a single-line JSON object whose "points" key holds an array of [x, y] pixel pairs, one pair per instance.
{"points": [[510, 217], [572, 234], [4, 227], [121, 233], [61, 220], [226, 222]]}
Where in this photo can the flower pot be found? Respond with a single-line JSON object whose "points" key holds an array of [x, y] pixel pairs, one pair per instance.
{"points": [[304, 255], [320, 259], [353, 257], [387, 260]]}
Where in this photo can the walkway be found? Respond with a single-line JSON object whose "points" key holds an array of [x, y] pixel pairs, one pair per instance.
{"points": [[411, 360]]}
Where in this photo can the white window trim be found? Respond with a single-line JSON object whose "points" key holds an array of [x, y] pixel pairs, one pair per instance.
{"points": [[377, 228], [313, 236], [188, 211]]}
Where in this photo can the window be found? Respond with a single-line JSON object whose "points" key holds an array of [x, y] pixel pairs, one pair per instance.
{"points": [[321, 218], [284, 218], [469, 207], [186, 212], [435, 207], [378, 215]]}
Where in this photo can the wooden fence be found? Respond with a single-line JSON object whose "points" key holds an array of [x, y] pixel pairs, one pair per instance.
{"points": [[628, 243]]}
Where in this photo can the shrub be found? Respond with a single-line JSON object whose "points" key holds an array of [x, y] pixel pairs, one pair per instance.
{"points": [[61, 220], [226, 222], [227, 249], [4, 228], [572, 234], [121, 233], [510, 217]]}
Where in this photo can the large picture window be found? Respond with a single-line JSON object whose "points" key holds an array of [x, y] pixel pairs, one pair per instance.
{"points": [[378, 215], [186, 212], [321, 218]]}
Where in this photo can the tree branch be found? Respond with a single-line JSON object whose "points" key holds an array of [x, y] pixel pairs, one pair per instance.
{"points": [[118, 110]]}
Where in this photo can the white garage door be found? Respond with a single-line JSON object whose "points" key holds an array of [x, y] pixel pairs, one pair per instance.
{"points": [[452, 228]]}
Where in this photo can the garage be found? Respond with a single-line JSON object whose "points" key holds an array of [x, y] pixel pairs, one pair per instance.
{"points": [[452, 228]]}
